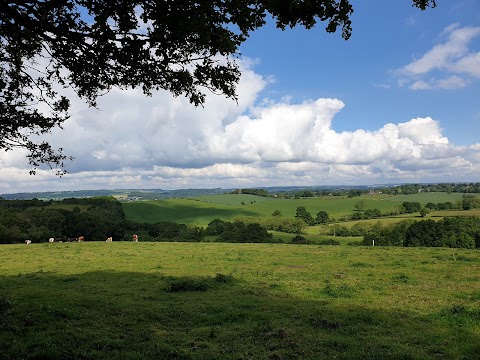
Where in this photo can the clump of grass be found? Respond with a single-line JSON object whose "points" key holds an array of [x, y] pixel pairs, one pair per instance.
{"points": [[402, 278], [360, 264], [465, 258], [324, 324], [342, 291], [427, 262], [224, 279], [460, 315], [197, 283], [187, 284]]}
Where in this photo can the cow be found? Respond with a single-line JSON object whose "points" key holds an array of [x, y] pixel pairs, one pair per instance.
{"points": [[110, 239], [135, 237], [72, 239], [81, 238], [51, 240], [28, 242]]}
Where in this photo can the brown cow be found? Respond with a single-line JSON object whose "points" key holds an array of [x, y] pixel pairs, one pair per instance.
{"points": [[135, 237], [81, 238]]}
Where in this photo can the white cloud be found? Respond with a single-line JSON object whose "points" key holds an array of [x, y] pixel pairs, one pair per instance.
{"points": [[135, 141], [450, 83], [454, 60]]}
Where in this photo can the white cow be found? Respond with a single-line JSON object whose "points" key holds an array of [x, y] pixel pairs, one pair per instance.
{"points": [[110, 239], [135, 237], [51, 240], [28, 242]]}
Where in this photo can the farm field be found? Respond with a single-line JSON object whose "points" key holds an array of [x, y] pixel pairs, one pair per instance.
{"points": [[237, 301], [426, 197], [203, 209]]}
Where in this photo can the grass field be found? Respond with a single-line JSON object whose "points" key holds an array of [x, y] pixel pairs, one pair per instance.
{"points": [[201, 210], [237, 301], [426, 197]]}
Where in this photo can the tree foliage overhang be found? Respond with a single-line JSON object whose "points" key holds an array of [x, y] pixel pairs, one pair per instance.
{"points": [[186, 47]]}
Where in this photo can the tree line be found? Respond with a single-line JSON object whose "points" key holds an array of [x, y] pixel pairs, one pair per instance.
{"points": [[406, 189], [453, 232]]}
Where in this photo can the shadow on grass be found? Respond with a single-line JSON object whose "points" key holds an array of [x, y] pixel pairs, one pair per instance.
{"points": [[126, 315], [180, 213]]}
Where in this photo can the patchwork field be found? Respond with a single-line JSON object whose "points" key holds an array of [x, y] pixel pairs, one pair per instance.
{"points": [[237, 301]]}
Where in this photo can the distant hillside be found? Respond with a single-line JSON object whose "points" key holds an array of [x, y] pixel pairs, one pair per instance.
{"points": [[121, 194], [299, 191], [159, 194]]}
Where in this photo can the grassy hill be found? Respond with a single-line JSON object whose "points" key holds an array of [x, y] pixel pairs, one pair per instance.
{"points": [[203, 209], [237, 301]]}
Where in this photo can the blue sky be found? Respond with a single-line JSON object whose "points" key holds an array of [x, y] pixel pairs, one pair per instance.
{"points": [[397, 102], [387, 35]]}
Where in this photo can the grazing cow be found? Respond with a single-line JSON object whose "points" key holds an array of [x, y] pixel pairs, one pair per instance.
{"points": [[110, 239], [135, 237], [51, 240], [28, 242], [81, 238], [72, 239]]}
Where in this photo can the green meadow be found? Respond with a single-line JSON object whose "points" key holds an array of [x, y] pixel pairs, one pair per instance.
{"points": [[203, 209], [237, 301]]}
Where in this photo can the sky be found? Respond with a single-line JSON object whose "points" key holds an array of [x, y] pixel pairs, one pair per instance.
{"points": [[399, 102]]}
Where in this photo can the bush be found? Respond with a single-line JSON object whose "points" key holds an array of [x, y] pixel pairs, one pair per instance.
{"points": [[298, 240], [329, 242]]}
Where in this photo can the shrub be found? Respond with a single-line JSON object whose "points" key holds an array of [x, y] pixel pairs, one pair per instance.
{"points": [[329, 242], [298, 240], [187, 284]]}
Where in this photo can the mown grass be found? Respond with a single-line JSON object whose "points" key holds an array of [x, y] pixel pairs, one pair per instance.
{"points": [[237, 301]]}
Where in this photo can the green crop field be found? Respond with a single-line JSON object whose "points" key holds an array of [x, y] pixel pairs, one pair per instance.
{"points": [[237, 301]]}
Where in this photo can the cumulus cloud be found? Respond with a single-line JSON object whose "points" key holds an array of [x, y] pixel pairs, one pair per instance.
{"points": [[454, 60], [133, 141]]}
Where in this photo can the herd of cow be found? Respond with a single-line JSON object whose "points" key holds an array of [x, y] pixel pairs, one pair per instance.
{"points": [[78, 239]]}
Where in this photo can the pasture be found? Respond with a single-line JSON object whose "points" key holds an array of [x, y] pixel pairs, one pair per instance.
{"points": [[237, 301], [203, 209]]}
